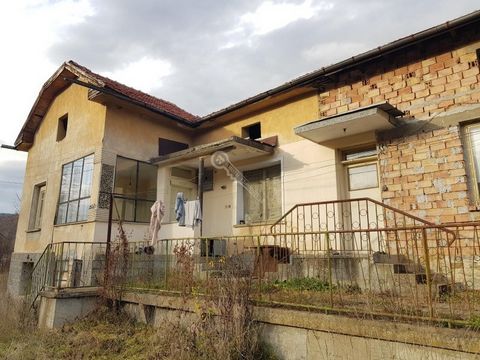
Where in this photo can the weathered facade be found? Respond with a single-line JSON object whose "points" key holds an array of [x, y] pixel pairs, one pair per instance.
{"points": [[395, 124]]}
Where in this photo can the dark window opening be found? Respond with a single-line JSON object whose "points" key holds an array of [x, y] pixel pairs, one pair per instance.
{"points": [[252, 132], [478, 57], [167, 146], [62, 127]]}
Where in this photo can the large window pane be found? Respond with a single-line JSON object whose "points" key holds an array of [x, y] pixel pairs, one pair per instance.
{"points": [[72, 211], [137, 182], [126, 177], [124, 209], [143, 212], [87, 177], [147, 181], [83, 209], [62, 214], [66, 178], [76, 179], [75, 191]]}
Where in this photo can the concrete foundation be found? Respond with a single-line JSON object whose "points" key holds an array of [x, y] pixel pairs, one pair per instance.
{"points": [[295, 334], [19, 275], [60, 307]]}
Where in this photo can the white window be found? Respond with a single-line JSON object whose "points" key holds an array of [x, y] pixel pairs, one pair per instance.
{"points": [[361, 168], [37, 207], [262, 194], [75, 191]]}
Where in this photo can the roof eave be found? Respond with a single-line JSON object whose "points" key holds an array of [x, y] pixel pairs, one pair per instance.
{"points": [[309, 78]]}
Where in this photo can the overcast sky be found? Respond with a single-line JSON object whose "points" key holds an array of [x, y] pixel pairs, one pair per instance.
{"points": [[201, 55]]}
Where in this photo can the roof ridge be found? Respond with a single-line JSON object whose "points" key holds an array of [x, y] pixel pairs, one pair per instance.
{"points": [[138, 95]]}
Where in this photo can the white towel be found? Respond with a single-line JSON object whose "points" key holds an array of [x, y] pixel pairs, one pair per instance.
{"points": [[158, 211]]}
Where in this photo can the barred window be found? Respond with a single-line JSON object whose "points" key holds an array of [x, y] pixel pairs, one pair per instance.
{"points": [[75, 191]]}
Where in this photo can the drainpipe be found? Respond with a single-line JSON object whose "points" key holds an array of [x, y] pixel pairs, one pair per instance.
{"points": [[201, 166]]}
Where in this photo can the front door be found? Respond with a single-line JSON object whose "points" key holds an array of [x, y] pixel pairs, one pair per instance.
{"points": [[362, 180]]}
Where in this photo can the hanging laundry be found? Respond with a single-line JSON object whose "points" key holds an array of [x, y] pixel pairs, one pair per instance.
{"points": [[158, 211], [193, 213], [180, 209], [198, 212]]}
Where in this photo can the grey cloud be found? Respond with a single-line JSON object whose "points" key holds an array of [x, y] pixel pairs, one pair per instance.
{"points": [[190, 34]]}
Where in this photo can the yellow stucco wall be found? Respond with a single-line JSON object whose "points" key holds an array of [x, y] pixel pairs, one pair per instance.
{"points": [[131, 134], [279, 119], [45, 160]]}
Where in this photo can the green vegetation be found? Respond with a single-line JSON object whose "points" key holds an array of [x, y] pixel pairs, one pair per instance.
{"points": [[474, 323], [303, 284]]}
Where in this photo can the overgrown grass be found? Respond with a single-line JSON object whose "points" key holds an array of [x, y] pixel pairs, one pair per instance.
{"points": [[302, 284], [474, 323]]}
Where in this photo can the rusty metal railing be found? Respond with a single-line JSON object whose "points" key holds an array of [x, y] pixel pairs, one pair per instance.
{"points": [[404, 271], [66, 265], [348, 215]]}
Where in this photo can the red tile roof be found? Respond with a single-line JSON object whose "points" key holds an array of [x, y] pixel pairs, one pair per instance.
{"points": [[137, 95]]}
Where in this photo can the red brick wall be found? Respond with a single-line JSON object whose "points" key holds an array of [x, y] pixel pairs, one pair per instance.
{"points": [[422, 88], [424, 173]]}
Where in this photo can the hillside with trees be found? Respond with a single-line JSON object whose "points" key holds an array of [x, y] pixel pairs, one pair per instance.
{"points": [[8, 228]]}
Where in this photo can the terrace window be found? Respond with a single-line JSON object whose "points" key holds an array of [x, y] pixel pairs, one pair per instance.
{"points": [[136, 181], [75, 191]]}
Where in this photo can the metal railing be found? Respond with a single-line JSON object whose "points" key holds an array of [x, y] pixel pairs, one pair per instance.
{"points": [[348, 215], [403, 272], [358, 256], [68, 264]]}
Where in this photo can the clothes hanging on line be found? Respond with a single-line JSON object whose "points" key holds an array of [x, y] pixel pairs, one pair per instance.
{"points": [[158, 212], [180, 209], [193, 213]]}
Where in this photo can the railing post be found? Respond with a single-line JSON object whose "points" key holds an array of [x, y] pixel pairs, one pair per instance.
{"points": [[329, 260], [428, 271], [106, 278], [59, 283]]}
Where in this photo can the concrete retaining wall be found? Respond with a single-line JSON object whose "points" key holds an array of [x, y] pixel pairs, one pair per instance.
{"points": [[295, 334], [292, 333]]}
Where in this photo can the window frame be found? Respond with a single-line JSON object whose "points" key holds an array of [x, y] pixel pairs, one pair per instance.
{"points": [[34, 223], [135, 199], [359, 162], [242, 207], [470, 167], [80, 198]]}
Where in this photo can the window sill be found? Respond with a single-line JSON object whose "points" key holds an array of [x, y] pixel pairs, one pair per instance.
{"points": [[255, 224], [73, 223], [33, 230], [473, 208]]}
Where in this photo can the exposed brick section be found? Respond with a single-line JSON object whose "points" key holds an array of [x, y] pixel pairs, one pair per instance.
{"points": [[425, 174], [423, 88]]}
